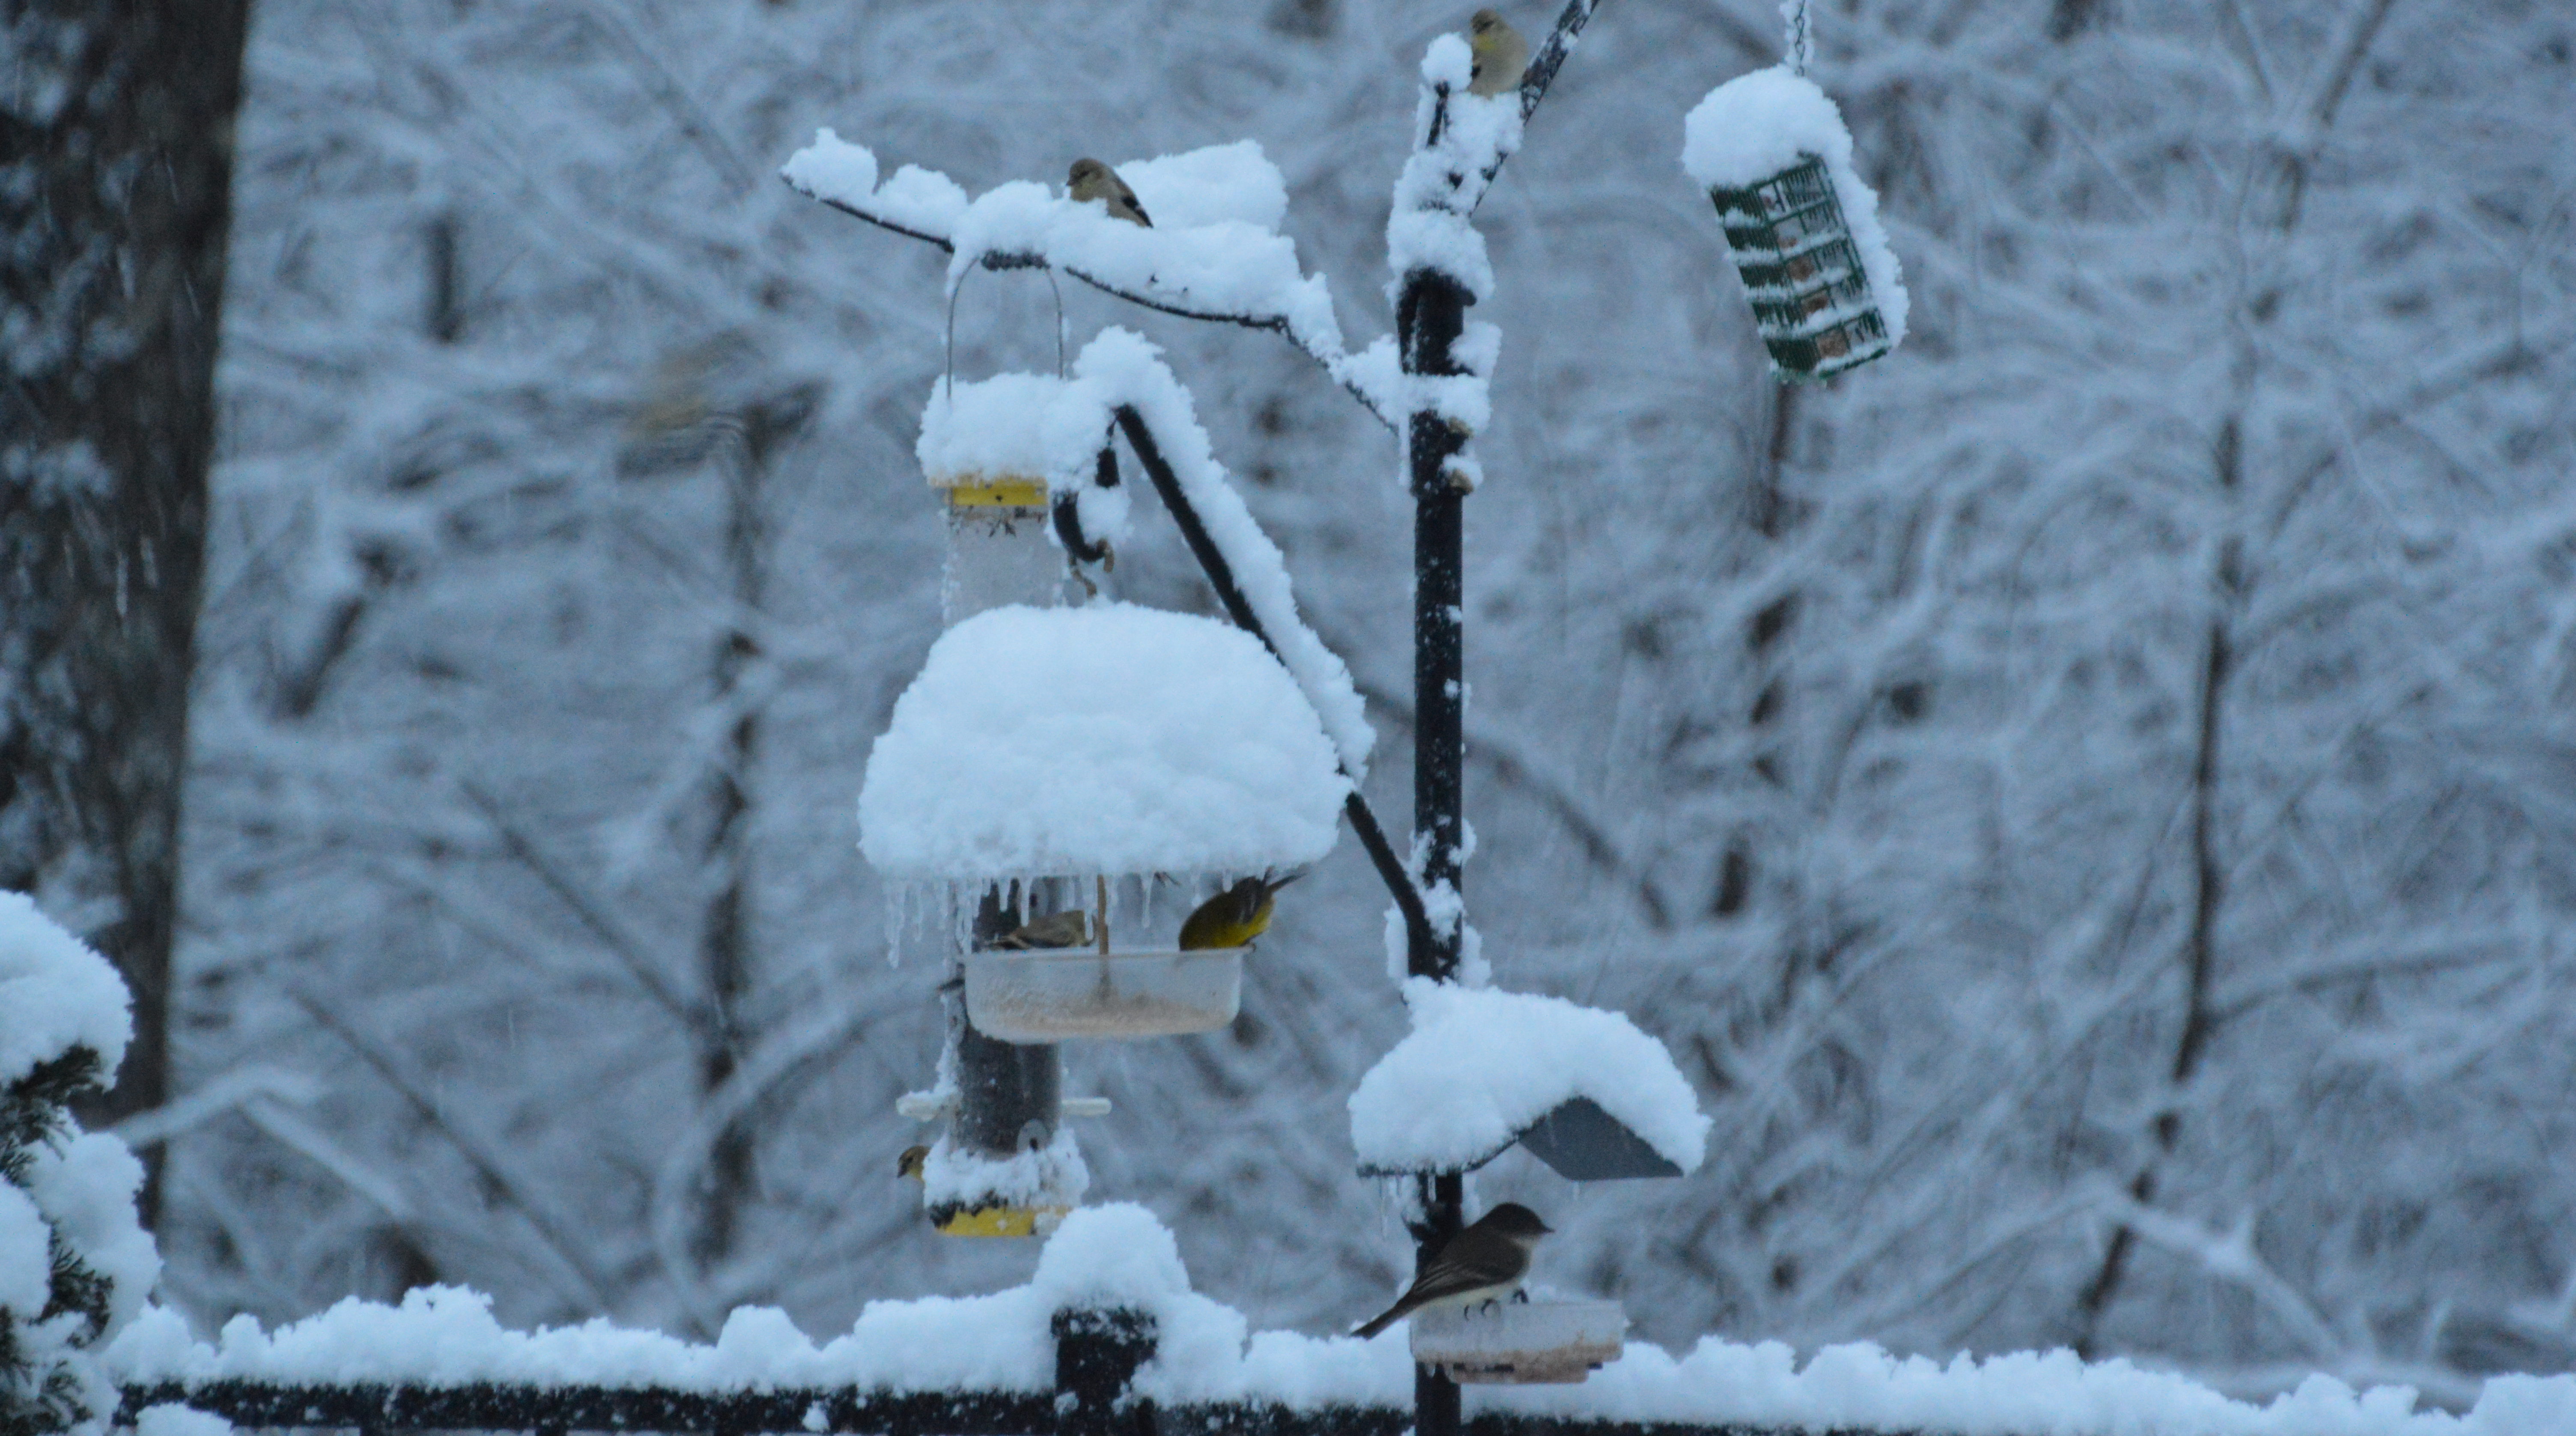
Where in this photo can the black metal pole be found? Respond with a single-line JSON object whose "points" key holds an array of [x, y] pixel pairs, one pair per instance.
{"points": [[1430, 315]]}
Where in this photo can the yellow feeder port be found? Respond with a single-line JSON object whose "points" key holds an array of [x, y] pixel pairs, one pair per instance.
{"points": [[1008, 492], [1003, 1221]]}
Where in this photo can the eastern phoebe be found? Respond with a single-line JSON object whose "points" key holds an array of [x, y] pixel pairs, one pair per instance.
{"points": [[1483, 1263]]}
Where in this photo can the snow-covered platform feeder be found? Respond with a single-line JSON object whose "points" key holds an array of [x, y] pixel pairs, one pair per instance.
{"points": [[1063, 996], [1078, 752], [1582, 1089], [1801, 226], [1541, 1342]]}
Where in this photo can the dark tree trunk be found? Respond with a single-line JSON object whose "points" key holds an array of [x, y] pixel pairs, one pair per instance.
{"points": [[116, 151]]}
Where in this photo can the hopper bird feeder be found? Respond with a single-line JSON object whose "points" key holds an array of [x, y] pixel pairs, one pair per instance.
{"points": [[1484, 1070], [1520, 1343], [1801, 227]]}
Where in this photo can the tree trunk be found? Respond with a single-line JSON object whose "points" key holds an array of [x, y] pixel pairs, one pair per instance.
{"points": [[118, 161]]}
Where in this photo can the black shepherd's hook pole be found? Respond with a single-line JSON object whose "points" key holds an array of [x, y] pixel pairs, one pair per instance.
{"points": [[1229, 595]]}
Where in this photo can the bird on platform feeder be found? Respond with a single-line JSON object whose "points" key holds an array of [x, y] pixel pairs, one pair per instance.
{"points": [[1235, 917]]}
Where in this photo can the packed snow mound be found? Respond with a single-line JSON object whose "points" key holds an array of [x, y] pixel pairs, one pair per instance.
{"points": [[55, 994], [1481, 1066], [1107, 740], [1217, 184], [1756, 125]]}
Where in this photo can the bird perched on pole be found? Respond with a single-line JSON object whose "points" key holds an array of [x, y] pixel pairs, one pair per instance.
{"points": [[1486, 1262], [1071, 928], [1235, 917], [1092, 180], [1501, 54], [913, 1163]]}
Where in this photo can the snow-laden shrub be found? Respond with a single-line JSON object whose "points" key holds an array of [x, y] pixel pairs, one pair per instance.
{"points": [[74, 1263]]}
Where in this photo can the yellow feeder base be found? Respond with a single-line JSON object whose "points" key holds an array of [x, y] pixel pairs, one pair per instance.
{"points": [[1008, 494], [1004, 1222]]}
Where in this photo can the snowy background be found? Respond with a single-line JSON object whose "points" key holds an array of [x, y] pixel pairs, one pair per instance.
{"points": [[1854, 741]]}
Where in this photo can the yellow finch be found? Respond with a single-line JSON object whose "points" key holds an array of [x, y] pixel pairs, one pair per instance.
{"points": [[1501, 54], [910, 1163], [1065, 929], [1235, 917], [1092, 180]]}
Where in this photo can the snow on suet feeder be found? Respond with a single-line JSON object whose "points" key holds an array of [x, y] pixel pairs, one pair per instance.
{"points": [[1082, 750], [1523, 1343], [1803, 229], [1582, 1089]]}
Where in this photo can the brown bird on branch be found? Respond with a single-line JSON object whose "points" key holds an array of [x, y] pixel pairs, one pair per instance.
{"points": [[1501, 54], [1486, 1262], [1092, 180]]}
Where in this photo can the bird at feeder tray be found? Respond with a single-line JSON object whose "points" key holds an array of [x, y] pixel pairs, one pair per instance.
{"points": [[1235, 917], [1486, 1262], [1092, 180], [1502, 56], [1064, 929]]}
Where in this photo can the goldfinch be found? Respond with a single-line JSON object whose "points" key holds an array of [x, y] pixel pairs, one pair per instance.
{"points": [[1501, 54], [1235, 917], [1092, 180]]}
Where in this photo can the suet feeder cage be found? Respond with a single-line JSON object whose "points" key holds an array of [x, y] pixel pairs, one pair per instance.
{"points": [[1523, 1343], [1810, 291], [1060, 996]]}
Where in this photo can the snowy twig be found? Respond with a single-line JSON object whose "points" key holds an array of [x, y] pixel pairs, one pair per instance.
{"points": [[236, 1088], [2229, 1256], [774, 1064], [624, 945], [479, 1151], [1514, 768]]}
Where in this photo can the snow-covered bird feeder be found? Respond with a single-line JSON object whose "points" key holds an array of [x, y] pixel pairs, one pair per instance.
{"points": [[1773, 153], [998, 451], [1097, 749], [1582, 1089], [1525, 1343]]}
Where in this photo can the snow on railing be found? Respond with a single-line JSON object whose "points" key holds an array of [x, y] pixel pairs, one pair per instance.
{"points": [[1107, 1337]]}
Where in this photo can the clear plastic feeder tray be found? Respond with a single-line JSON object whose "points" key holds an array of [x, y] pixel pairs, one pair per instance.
{"points": [[1070, 994], [1521, 1343]]}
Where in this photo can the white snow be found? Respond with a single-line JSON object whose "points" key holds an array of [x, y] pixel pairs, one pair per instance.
{"points": [[1129, 370], [1032, 426], [1482, 1065], [85, 1185], [1219, 183], [173, 1419], [57, 994], [1213, 248], [1052, 1176], [26, 1271], [1109, 739], [1757, 125], [1120, 1256]]}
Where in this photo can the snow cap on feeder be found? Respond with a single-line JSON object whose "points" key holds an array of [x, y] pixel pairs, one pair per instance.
{"points": [[1582, 1089], [1073, 749], [1772, 151], [1021, 460]]}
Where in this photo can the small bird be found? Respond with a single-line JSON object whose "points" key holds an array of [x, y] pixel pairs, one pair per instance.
{"points": [[910, 1164], [1501, 54], [1483, 1263], [1235, 917], [1092, 180], [1065, 929]]}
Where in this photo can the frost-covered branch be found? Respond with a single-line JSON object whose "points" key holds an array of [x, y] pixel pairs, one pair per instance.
{"points": [[1214, 254]]}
